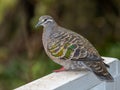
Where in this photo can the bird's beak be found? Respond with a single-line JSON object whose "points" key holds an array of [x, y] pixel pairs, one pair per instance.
{"points": [[38, 24]]}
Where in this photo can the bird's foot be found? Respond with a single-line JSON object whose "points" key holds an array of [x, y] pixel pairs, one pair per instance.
{"points": [[60, 70]]}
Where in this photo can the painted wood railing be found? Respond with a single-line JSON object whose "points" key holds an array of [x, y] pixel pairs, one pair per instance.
{"points": [[77, 80]]}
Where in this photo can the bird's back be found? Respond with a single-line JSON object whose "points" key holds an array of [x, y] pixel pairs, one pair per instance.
{"points": [[73, 51]]}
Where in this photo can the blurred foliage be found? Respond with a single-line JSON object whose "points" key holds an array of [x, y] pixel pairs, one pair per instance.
{"points": [[113, 50], [4, 4], [22, 58]]}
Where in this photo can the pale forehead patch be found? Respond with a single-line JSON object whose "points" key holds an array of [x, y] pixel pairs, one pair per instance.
{"points": [[45, 17]]}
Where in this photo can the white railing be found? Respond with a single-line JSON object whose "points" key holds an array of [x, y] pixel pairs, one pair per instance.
{"points": [[76, 80]]}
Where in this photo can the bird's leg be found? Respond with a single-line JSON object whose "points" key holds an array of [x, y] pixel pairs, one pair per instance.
{"points": [[60, 70]]}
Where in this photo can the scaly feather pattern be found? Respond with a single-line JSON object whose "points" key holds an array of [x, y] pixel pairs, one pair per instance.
{"points": [[71, 50]]}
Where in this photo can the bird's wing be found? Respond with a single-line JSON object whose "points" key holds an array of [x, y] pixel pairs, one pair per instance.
{"points": [[71, 46]]}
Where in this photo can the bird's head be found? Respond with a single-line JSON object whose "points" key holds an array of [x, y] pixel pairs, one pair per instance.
{"points": [[45, 20]]}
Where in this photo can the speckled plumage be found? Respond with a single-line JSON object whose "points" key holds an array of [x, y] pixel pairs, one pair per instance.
{"points": [[71, 50]]}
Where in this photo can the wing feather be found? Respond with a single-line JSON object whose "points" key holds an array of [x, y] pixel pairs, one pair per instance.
{"points": [[72, 46]]}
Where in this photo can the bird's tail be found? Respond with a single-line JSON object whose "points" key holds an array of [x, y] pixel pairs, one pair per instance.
{"points": [[100, 70]]}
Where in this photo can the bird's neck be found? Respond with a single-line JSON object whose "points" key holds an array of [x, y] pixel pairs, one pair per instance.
{"points": [[48, 30], [50, 25]]}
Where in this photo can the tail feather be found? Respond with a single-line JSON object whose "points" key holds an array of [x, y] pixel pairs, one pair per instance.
{"points": [[107, 65], [103, 77], [100, 70]]}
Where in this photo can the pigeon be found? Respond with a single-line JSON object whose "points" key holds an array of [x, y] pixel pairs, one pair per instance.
{"points": [[71, 50]]}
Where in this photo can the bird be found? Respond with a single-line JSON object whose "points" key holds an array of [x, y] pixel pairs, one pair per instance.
{"points": [[71, 50]]}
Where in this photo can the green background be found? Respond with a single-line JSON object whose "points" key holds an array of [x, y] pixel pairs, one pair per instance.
{"points": [[22, 57]]}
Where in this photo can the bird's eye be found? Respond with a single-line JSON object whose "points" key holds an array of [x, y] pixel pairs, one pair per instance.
{"points": [[45, 20]]}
